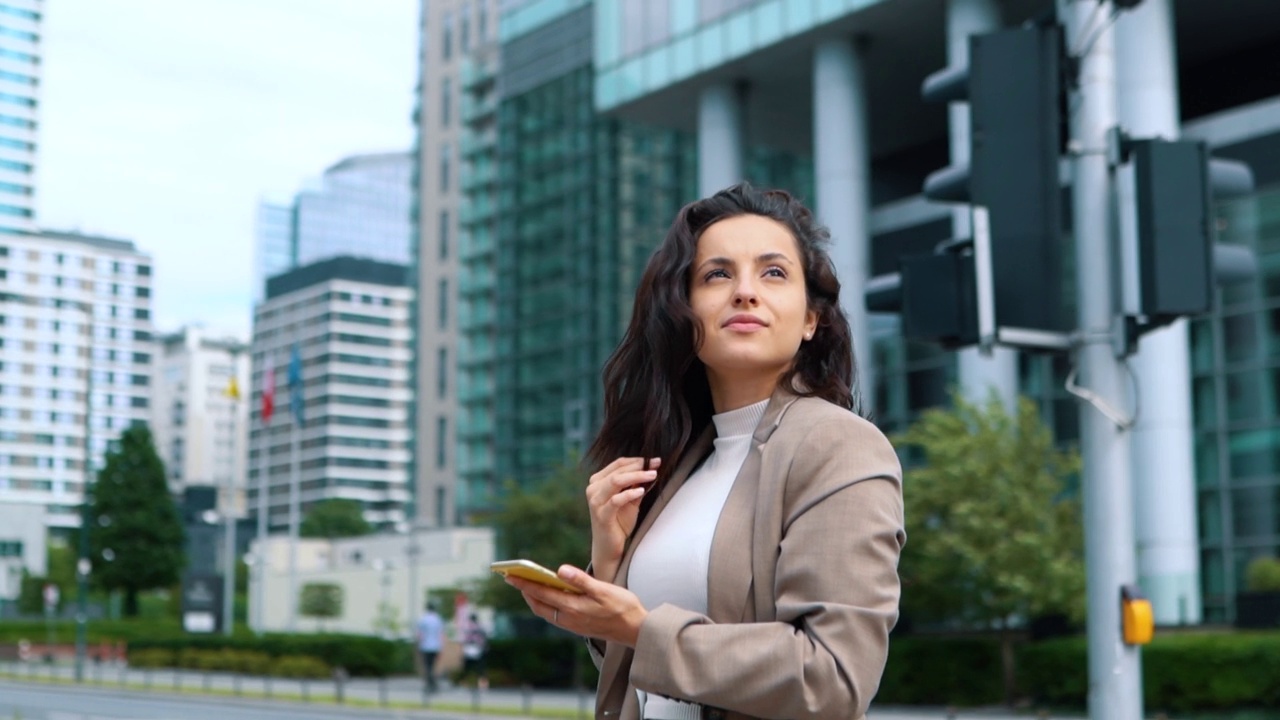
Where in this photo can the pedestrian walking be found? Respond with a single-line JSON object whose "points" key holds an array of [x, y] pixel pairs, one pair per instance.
{"points": [[430, 635]]}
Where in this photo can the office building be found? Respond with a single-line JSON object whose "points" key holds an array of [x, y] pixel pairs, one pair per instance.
{"points": [[459, 38], [200, 430], [348, 320], [75, 311], [839, 81], [21, 24], [359, 207]]}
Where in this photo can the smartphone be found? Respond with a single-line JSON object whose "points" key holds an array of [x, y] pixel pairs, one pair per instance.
{"points": [[530, 570]]}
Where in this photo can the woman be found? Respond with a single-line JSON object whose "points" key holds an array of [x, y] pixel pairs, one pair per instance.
{"points": [[748, 567]]}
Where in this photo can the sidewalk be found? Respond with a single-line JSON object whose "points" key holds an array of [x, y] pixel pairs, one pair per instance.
{"points": [[402, 692]]}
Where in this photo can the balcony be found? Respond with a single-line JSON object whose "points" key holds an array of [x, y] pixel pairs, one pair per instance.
{"points": [[474, 142], [477, 176], [476, 108]]}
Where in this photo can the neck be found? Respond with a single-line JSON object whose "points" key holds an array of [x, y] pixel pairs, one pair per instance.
{"points": [[730, 392]]}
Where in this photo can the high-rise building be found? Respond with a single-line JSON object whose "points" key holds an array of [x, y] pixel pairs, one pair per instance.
{"points": [[76, 317], [458, 37], [276, 247], [359, 207], [347, 320], [200, 429], [839, 81], [561, 209], [20, 26]]}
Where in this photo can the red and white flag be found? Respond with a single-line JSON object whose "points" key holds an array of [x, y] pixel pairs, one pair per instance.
{"points": [[268, 390]]}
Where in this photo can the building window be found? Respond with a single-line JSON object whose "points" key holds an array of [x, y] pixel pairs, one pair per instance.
{"points": [[442, 497], [482, 24], [446, 41], [443, 303], [444, 167], [442, 372], [444, 234], [442, 432], [446, 106], [464, 30]]}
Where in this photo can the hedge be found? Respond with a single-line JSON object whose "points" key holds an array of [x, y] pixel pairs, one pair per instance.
{"points": [[358, 655], [935, 671], [541, 662], [1181, 672]]}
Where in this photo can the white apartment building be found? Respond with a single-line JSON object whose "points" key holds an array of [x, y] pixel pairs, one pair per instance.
{"points": [[349, 319], [20, 22], [201, 432], [69, 304]]}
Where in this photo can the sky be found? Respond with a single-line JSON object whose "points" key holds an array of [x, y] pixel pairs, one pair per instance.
{"points": [[164, 122]]}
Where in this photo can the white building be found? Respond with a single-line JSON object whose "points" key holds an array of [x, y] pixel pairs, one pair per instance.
{"points": [[20, 22], [22, 546], [201, 432], [349, 319], [69, 304], [382, 592]]}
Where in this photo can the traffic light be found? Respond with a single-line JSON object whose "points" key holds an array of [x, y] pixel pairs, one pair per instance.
{"points": [[1170, 262], [1013, 88]]}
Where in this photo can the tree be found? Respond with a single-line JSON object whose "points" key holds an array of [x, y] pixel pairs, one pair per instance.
{"points": [[135, 532], [994, 536], [547, 523], [321, 601], [335, 518]]}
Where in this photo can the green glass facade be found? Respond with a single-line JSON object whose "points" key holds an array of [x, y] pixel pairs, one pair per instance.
{"points": [[1235, 359]]}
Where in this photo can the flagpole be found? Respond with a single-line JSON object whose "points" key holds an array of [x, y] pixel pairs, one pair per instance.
{"points": [[260, 562], [296, 408], [293, 531], [229, 525], [264, 487]]}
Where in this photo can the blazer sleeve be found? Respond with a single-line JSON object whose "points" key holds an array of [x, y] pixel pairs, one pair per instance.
{"points": [[836, 590]]}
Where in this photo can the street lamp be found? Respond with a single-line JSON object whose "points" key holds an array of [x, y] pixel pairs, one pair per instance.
{"points": [[83, 565]]}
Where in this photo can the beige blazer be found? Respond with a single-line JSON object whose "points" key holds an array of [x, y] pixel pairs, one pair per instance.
{"points": [[802, 586]]}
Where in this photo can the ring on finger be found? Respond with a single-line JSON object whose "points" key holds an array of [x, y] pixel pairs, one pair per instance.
{"points": [[555, 617]]}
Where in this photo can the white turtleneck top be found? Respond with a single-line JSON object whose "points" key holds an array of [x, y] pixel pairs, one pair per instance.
{"points": [[670, 563]]}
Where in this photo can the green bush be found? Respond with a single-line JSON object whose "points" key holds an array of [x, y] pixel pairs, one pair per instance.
{"points": [[361, 656], [1181, 672], [541, 662], [1263, 574], [297, 666], [152, 658], [941, 671]]}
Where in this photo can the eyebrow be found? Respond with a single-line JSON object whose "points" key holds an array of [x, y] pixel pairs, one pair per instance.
{"points": [[765, 258]]}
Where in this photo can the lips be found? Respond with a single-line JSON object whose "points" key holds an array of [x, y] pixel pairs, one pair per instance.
{"points": [[744, 322]]}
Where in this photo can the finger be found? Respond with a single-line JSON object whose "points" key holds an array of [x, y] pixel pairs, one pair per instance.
{"points": [[626, 497], [614, 466], [627, 479]]}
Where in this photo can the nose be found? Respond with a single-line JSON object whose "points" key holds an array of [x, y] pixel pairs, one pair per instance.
{"points": [[745, 294]]}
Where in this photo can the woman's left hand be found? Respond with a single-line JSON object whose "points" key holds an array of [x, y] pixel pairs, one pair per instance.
{"points": [[603, 610]]}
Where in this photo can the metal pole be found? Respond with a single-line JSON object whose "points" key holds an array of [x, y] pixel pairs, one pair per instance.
{"points": [[229, 536], [260, 557], [293, 528], [1115, 671], [84, 565]]}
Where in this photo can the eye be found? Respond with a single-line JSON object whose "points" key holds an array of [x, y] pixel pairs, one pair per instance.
{"points": [[718, 272], [775, 271]]}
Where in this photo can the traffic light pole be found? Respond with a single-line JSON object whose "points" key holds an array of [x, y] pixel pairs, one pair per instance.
{"points": [[1115, 671]]}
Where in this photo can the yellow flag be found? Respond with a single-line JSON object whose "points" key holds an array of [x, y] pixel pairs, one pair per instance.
{"points": [[233, 389]]}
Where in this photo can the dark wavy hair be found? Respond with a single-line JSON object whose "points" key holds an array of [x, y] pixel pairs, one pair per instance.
{"points": [[656, 396]]}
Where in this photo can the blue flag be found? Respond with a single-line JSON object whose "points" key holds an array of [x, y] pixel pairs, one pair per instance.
{"points": [[295, 384]]}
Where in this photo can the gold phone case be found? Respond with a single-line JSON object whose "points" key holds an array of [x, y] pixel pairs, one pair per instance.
{"points": [[530, 570]]}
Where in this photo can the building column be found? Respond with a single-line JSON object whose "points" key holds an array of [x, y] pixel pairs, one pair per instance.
{"points": [[1163, 456], [980, 373], [842, 176], [721, 108]]}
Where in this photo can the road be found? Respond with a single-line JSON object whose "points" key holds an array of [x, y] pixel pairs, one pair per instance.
{"points": [[33, 700], [36, 701]]}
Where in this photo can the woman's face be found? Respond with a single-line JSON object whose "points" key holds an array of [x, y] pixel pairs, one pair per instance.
{"points": [[747, 290]]}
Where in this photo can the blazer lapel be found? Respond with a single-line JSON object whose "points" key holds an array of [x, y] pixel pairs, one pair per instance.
{"points": [[728, 585]]}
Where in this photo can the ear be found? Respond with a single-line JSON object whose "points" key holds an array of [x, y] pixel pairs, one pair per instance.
{"points": [[810, 323]]}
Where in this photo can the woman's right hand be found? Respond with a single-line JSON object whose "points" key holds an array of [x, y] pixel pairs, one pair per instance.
{"points": [[613, 496]]}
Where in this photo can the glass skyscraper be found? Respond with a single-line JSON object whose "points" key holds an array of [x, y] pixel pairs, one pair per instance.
{"points": [[358, 208], [20, 22]]}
